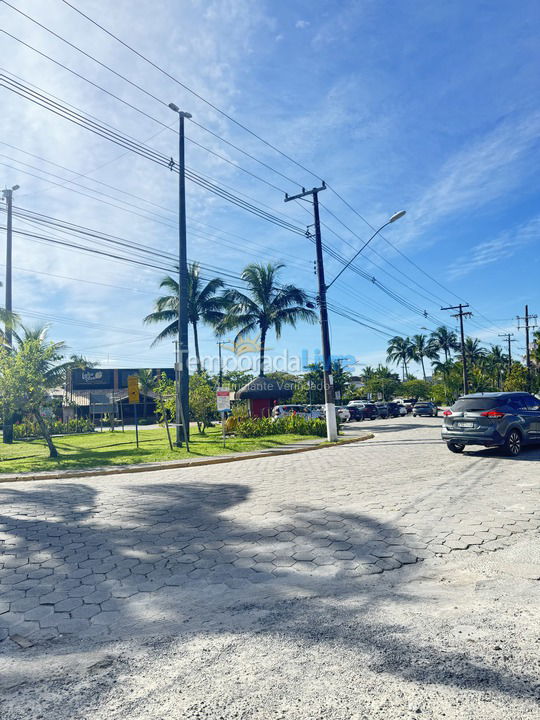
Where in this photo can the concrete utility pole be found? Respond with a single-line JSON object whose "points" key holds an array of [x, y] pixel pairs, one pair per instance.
{"points": [[7, 194], [461, 315], [508, 337], [182, 368], [329, 399], [527, 326]]}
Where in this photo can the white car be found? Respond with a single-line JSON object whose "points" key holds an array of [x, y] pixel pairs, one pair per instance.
{"points": [[402, 410], [305, 411], [343, 414]]}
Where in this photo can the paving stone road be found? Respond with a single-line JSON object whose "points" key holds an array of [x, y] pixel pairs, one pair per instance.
{"points": [[101, 557]]}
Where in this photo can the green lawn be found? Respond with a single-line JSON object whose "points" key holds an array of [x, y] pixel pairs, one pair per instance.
{"points": [[118, 448]]}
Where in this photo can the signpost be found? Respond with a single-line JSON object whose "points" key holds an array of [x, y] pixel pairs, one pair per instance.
{"points": [[133, 396], [223, 400]]}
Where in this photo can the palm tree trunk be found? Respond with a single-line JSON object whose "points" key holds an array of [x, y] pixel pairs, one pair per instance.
{"points": [[261, 351], [53, 452], [423, 368], [196, 343]]}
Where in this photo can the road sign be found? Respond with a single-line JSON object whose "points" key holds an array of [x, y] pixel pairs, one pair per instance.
{"points": [[133, 388], [223, 399]]}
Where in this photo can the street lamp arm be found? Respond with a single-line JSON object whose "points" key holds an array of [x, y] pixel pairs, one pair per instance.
{"points": [[364, 246]]}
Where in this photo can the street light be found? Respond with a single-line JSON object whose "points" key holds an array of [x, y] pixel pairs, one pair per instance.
{"points": [[395, 216], [182, 369]]}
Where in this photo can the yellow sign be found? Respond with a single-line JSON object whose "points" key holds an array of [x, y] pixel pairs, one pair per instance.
{"points": [[133, 388]]}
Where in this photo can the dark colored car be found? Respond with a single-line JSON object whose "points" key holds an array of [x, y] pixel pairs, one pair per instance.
{"points": [[393, 409], [508, 420], [370, 411], [425, 409], [356, 413], [382, 410]]}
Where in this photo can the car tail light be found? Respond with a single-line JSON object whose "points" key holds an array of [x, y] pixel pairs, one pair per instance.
{"points": [[495, 414], [447, 412]]}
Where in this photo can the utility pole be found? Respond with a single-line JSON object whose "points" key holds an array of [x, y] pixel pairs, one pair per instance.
{"points": [[508, 337], [182, 374], [7, 194], [527, 326], [460, 314], [219, 344], [329, 399]]}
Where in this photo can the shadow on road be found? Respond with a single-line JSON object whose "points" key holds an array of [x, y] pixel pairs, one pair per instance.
{"points": [[179, 536]]}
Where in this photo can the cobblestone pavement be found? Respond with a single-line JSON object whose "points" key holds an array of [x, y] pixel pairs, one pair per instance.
{"points": [[100, 557]]}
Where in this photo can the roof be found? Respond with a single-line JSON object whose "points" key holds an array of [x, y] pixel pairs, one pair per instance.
{"points": [[263, 387], [495, 394]]}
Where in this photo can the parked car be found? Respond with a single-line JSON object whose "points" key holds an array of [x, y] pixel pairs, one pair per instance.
{"points": [[507, 420], [382, 410], [356, 412], [396, 410], [343, 414], [424, 409], [306, 411], [407, 404], [369, 409]]}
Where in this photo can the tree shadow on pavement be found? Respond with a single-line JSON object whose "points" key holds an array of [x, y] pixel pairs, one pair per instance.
{"points": [[175, 554]]}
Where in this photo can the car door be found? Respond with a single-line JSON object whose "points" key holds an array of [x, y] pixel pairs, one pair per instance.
{"points": [[533, 408], [520, 409]]}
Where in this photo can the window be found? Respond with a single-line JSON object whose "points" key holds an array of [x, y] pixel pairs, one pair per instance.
{"points": [[533, 403], [478, 404], [517, 404]]}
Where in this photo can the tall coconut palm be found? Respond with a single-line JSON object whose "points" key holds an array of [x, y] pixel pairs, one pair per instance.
{"points": [[474, 353], [265, 306], [399, 351], [203, 305], [422, 347], [445, 340], [496, 362]]}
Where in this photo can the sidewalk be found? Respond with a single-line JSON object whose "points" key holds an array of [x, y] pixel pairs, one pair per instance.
{"points": [[350, 433]]}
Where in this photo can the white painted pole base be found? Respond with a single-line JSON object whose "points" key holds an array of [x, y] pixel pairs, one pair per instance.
{"points": [[331, 424]]}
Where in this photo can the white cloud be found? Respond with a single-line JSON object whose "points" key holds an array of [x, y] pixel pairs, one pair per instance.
{"points": [[302, 24], [493, 251]]}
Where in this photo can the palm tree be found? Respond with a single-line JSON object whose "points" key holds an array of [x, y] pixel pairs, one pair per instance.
{"points": [[496, 361], [474, 354], [266, 305], [203, 305], [422, 347], [399, 351], [445, 340]]}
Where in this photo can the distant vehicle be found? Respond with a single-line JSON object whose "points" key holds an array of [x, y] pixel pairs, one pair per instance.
{"points": [[382, 410], [307, 411], [343, 414], [396, 410], [407, 404], [424, 409], [356, 412], [507, 420]]}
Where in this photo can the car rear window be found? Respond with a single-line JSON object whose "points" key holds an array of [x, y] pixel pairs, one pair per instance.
{"points": [[473, 404]]}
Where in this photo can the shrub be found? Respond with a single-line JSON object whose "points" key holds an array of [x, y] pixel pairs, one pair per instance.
{"points": [[29, 428], [294, 425]]}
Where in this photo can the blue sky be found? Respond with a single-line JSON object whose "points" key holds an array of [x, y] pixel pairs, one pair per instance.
{"points": [[430, 107]]}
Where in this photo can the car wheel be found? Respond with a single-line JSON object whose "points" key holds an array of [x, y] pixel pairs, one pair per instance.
{"points": [[436, 413], [455, 447], [512, 443]]}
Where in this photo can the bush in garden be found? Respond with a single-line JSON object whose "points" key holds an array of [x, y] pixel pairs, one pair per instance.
{"points": [[29, 428], [293, 425]]}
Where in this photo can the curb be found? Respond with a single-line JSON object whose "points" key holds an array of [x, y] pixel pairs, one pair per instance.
{"points": [[172, 464]]}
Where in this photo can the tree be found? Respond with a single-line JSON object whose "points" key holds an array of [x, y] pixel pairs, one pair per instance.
{"points": [[474, 354], [399, 351], [236, 379], [28, 371], [202, 400], [444, 340], [416, 389], [203, 305], [267, 305], [311, 387], [517, 378], [495, 364], [422, 348], [147, 382]]}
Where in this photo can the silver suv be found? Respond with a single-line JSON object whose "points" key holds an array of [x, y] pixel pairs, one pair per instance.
{"points": [[505, 419]]}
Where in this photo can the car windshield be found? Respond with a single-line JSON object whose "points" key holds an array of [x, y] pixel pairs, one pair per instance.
{"points": [[474, 404]]}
